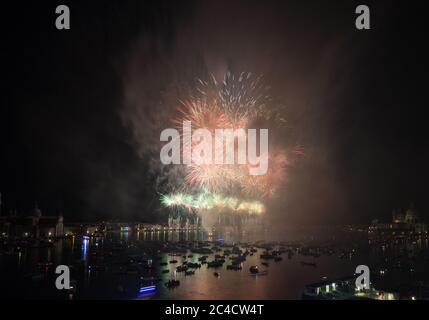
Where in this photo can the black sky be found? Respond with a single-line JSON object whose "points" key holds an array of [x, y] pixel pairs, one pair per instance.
{"points": [[355, 98]]}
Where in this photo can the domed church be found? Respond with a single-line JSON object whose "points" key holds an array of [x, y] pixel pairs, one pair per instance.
{"points": [[35, 225], [403, 223]]}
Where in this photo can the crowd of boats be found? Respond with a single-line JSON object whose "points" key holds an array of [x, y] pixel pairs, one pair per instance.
{"points": [[231, 255], [143, 264]]}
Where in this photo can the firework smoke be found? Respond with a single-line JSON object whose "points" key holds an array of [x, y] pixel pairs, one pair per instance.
{"points": [[237, 102]]}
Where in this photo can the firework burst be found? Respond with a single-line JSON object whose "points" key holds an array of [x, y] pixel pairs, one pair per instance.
{"points": [[237, 103], [212, 201]]}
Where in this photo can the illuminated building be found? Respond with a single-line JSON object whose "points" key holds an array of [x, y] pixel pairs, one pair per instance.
{"points": [[183, 222], [34, 225], [402, 224], [344, 289]]}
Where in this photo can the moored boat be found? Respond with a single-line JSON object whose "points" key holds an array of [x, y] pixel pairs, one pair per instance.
{"points": [[254, 269], [172, 284]]}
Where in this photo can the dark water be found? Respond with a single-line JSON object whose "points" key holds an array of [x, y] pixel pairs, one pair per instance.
{"points": [[285, 280], [29, 273]]}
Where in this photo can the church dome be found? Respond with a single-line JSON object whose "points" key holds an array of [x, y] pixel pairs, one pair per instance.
{"points": [[410, 215], [37, 212]]}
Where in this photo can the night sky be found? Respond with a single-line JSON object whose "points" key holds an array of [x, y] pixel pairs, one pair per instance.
{"points": [[354, 98]]}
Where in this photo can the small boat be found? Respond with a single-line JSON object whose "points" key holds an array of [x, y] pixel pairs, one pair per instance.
{"points": [[216, 274], [163, 263], [254, 269], [215, 264], [189, 273], [173, 261], [165, 271], [237, 260], [234, 267], [181, 268], [194, 265], [172, 284]]}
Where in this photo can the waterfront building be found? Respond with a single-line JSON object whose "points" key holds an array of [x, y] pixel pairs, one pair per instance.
{"points": [[34, 225], [186, 222], [344, 289], [403, 224]]}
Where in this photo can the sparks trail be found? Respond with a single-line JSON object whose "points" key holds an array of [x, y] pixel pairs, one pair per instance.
{"points": [[237, 102], [212, 201]]}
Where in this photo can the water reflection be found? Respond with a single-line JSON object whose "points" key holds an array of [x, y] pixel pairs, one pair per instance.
{"points": [[124, 235], [285, 280], [84, 249]]}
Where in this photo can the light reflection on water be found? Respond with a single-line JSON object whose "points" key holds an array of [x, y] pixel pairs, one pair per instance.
{"points": [[84, 249], [285, 279]]}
